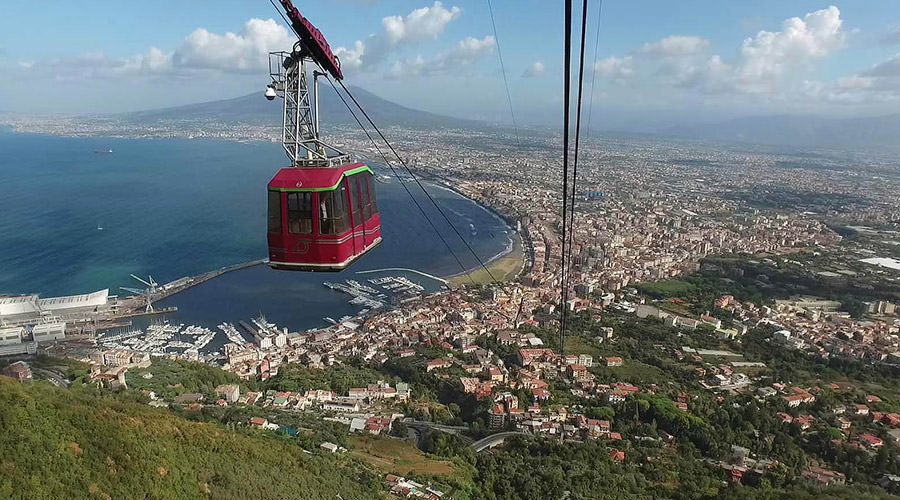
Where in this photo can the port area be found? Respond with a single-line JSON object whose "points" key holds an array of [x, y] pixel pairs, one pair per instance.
{"points": [[371, 291], [130, 307], [380, 288], [117, 313]]}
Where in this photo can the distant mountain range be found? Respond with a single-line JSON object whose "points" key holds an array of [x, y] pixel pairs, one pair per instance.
{"points": [[255, 109], [880, 131]]}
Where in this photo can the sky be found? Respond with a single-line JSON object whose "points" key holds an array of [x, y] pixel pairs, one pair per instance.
{"points": [[656, 60]]}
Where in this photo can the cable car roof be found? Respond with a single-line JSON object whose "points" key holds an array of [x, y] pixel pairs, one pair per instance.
{"points": [[314, 178]]}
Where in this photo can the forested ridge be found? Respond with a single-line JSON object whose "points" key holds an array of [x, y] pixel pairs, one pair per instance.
{"points": [[81, 443]]}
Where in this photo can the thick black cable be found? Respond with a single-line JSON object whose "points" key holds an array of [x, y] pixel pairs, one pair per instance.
{"points": [[503, 70], [571, 230], [418, 182], [388, 163], [278, 10], [567, 48], [462, 267]]}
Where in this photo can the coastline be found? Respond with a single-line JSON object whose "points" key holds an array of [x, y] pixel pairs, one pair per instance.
{"points": [[499, 269]]}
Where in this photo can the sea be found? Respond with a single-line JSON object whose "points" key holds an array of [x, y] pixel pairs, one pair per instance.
{"points": [[75, 219]]}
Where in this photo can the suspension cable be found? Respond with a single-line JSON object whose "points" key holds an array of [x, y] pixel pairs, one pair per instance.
{"points": [[594, 67], [418, 182], [568, 276], [503, 70], [421, 210], [567, 47], [400, 180]]}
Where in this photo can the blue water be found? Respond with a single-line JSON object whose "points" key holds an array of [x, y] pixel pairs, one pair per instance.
{"points": [[176, 207]]}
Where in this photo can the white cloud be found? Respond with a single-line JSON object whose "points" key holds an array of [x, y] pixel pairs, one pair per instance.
{"points": [[536, 70], [351, 58], [892, 36], [770, 63], [890, 67], [673, 46], [615, 68], [770, 55], [243, 52], [422, 24], [877, 86], [246, 51], [462, 54]]}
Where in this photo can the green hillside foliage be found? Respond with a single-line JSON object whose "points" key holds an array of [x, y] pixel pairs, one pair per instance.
{"points": [[172, 377], [340, 378], [79, 443]]}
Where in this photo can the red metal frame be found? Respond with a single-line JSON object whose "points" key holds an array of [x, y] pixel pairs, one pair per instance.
{"points": [[316, 251], [314, 40]]}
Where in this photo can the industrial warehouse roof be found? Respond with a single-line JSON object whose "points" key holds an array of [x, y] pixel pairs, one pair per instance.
{"points": [[32, 304]]}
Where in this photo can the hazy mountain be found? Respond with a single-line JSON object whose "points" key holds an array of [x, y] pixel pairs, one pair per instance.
{"points": [[881, 131], [255, 109]]}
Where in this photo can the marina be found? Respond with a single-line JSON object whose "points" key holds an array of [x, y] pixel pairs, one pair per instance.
{"points": [[162, 338], [384, 290]]}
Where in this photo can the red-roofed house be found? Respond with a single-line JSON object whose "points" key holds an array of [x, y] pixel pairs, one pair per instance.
{"points": [[871, 441], [540, 394], [435, 364]]}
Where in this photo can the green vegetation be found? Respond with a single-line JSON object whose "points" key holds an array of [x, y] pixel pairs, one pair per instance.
{"points": [[665, 289], [397, 456], [549, 469], [761, 282], [81, 443], [339, 378], [173, 377]]}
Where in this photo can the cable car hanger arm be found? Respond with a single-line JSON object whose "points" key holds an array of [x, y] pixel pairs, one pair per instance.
{"points": [[314, 41]]}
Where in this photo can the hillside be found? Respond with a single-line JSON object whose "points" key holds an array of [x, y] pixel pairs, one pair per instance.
{"points": [[255, 109], [77, 443]]}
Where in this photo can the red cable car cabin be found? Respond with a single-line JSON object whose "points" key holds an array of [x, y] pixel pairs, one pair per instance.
{"points": [[322, 218]]}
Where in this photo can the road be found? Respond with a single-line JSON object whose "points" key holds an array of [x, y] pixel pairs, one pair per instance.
{"points": [[494, 440]]}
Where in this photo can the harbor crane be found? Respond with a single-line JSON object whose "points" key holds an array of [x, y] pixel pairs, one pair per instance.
{"points": [[149, 293]]}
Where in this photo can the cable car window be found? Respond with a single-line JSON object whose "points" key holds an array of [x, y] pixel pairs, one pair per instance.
{"points": [[373, 204], [358, 199], [366, 195], [333, 211], [300, 213], [274, 212]]}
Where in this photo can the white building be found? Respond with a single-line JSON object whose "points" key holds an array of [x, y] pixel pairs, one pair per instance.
{"points": [[48, 331], [11, 336], [25, 309]]}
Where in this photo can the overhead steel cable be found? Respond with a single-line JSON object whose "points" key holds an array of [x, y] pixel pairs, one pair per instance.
{"points": [[400, 180], [567, 48], [358, 122], [418, 182], [512, 114], [594, 67], [568, 276]]}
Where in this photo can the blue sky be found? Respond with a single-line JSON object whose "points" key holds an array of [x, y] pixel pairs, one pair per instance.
{"points": [[689, 59]]}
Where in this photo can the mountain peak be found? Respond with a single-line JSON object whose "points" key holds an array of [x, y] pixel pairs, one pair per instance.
{"points": [[255, 109]]}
